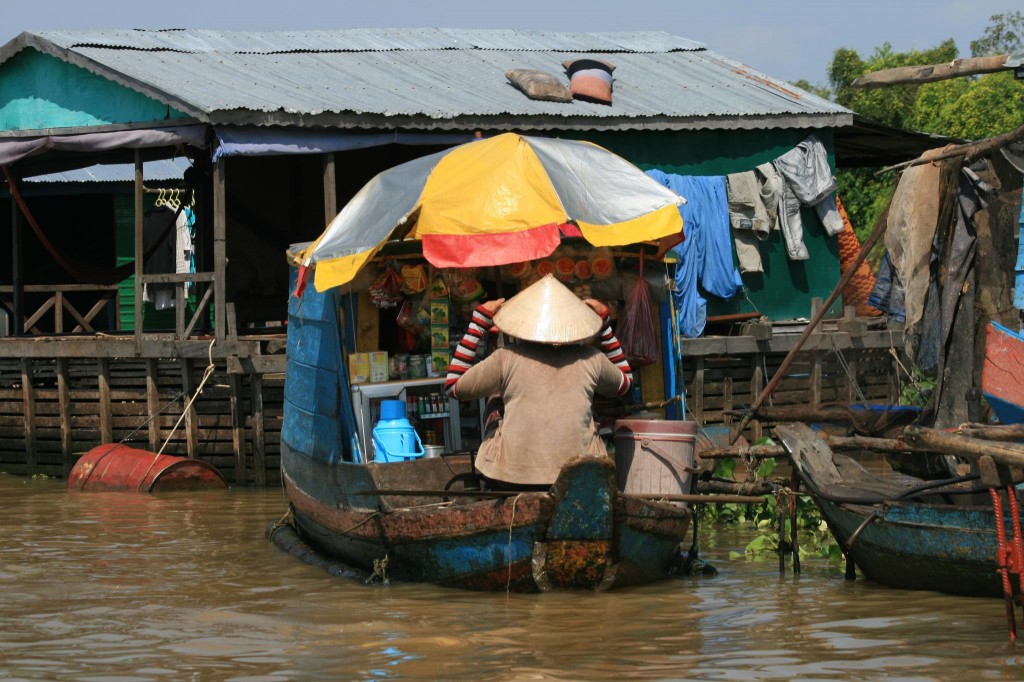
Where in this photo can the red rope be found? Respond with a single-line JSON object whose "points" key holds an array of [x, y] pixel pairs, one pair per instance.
{"points": [[1001, 562]]}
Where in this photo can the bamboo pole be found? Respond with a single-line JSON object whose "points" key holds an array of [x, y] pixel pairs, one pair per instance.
{"points": [[913, 75], [969, 151], [1011, 454]]}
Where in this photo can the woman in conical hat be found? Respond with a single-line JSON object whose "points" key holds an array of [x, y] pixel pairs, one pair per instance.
{"points": [[547, 380]]}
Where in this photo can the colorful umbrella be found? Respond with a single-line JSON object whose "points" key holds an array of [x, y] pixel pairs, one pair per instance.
{"points": [[495, 201]]}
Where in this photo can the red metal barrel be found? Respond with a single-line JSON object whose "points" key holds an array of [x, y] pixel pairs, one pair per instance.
{"points": [[114, 467]]}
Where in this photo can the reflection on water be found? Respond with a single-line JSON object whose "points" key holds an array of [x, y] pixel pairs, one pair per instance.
{"points": [[137, 587]]}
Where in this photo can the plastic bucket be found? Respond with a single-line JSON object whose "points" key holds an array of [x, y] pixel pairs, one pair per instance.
{"points": [[654, 456]]}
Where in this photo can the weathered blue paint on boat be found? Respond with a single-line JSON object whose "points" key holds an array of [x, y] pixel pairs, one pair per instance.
{"points": [[918, 543], [922, 547], [582, 534]]}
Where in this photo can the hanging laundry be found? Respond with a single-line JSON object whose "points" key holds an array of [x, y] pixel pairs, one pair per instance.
{"points": [[184, 254], [809, 177], [706, 254], [754, 212]]}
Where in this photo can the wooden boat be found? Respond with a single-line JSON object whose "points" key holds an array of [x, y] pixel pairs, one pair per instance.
{"points": [[899, 530], [1001, 377], [416, 520]]}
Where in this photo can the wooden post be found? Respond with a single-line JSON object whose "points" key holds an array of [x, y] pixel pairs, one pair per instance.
{"points": [[58, 312], [180, 305], [698, 391], [756, 384], [17, 271], [28, 398], [138, 257], [259, 452], [188, 386], [64, 401], [238, 429], [330, 189], [103, 378], [152, 404], [220, 229], [815, 380], [727, 399]]}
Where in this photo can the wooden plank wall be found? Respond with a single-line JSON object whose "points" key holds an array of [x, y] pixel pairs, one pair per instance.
{"points": [[238, 430], [716, 384], [107, 400]]}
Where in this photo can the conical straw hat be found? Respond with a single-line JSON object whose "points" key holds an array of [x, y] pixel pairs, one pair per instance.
{"points": [[547, 312]]}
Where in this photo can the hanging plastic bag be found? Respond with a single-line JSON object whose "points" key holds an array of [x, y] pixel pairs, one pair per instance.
{"points": [[636, 330]]}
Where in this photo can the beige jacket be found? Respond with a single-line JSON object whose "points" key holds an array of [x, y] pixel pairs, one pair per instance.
{"points": [[548, 393]]}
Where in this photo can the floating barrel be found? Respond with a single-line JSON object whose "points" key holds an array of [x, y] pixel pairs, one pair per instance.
{"points": [[114, 467]]}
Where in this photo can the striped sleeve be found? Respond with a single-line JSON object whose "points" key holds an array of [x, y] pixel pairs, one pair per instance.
{"points": [[613, 351], [465, 353]]}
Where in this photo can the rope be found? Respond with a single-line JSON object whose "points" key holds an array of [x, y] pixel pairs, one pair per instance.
{"points": [[508, 581], [206, 375], [287, 520], [380, 570], [849, 372]]}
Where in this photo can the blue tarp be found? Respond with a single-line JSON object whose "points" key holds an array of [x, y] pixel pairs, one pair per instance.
{"points": [[253, 141]]}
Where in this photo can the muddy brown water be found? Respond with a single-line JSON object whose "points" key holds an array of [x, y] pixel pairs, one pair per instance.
{"points": [[129, 587]]}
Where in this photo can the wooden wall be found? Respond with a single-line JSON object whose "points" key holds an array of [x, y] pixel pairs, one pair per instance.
{"points": [[108, 399]]}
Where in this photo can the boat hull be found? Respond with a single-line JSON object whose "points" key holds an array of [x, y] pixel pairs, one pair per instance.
{"points": [[921, 547], [897, 529], [582, 535]]}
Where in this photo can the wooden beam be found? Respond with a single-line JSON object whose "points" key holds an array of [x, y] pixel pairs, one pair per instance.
{"points": [[913, 75], [103, 379], [970, 151], [152, 404], [198, 314], [138, 254], [17, 268], [189, 387], [259, 449], [698, 391], [28, 400], [220, 229], [238, 429], [64, 402]]}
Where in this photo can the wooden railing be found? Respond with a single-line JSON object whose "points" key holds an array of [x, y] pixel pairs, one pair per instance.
{"points": [[59, 304]]}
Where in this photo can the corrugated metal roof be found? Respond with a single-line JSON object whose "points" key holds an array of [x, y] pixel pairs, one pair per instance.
{"points": [[436, 76], [152, 171], [370, 40]]}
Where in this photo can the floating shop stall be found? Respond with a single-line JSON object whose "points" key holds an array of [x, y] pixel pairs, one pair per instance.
{"points": [[108, 343]]}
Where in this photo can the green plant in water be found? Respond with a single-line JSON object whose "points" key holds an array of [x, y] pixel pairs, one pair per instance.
{"points": [[814, 536]]}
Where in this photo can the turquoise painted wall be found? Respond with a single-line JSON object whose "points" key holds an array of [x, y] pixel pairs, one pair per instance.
{"points": [[785, 289], [39, 91]]}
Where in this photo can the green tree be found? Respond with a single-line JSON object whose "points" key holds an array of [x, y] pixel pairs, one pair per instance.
{"points": [[1003, 35], [968, 108]]}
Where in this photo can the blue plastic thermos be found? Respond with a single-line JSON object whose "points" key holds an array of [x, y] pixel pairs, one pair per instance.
{"points": [[394, 438]]}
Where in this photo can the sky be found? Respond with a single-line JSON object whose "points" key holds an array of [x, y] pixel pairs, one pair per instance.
{"points": [[787, 39]]}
